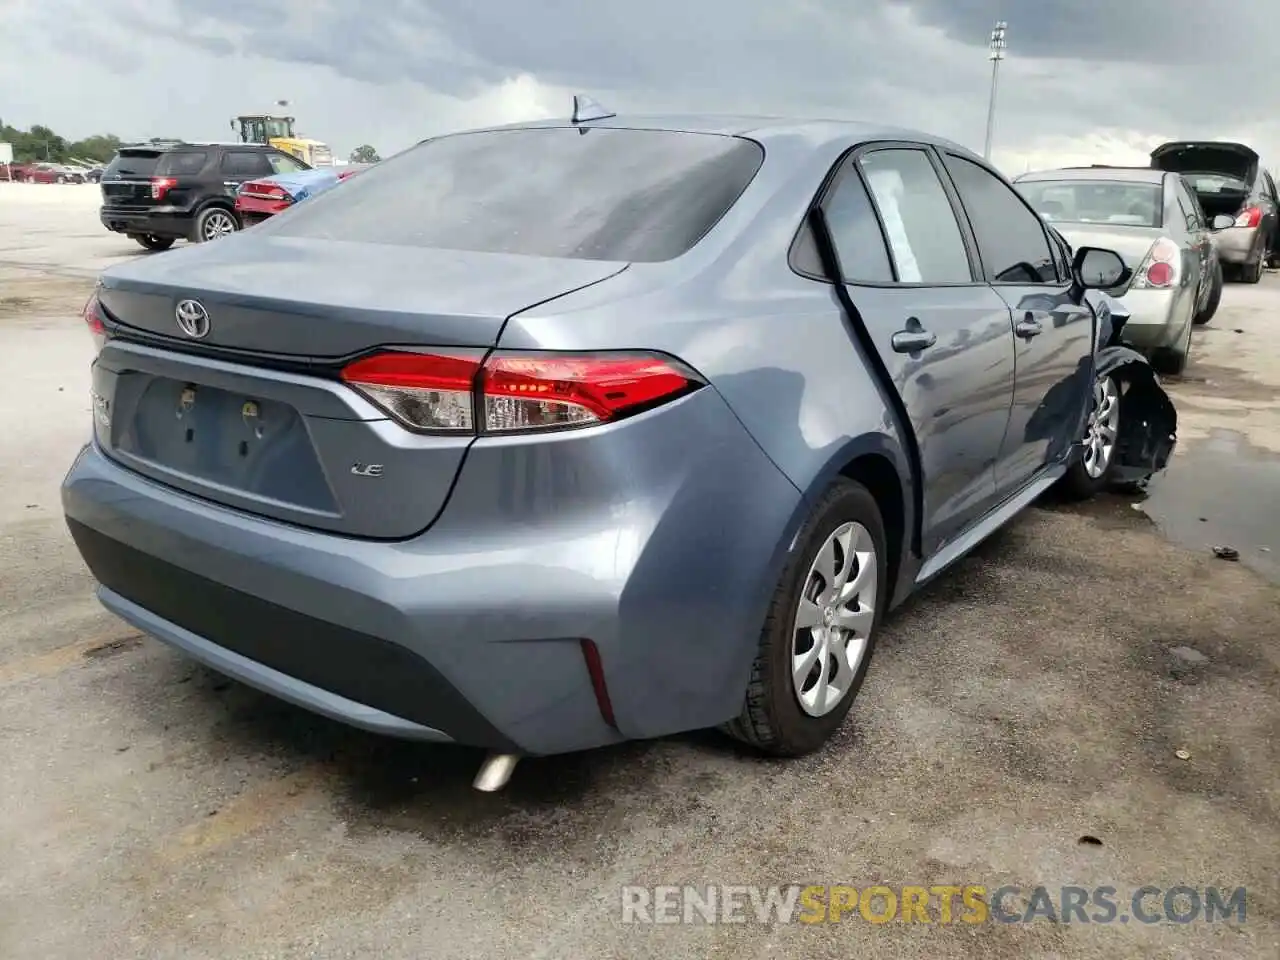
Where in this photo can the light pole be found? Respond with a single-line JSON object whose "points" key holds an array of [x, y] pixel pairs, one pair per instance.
{"points": [[996, 46]]}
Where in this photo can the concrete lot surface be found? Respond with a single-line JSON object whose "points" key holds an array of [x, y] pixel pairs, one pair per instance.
{"points": [[1092, 672]]}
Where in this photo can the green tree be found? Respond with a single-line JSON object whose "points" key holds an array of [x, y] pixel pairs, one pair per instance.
{"points": [[364, 154], [41, 143]]}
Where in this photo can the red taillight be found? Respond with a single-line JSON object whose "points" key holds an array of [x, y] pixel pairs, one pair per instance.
{"points": [[1160, 274], [1161, 267], [347, 173], [92, 315], [1249, 217], [516, 391], [263, 190], [426, 391], [161, 186]]}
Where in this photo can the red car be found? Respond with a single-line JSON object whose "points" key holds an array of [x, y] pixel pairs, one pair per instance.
{"points": [[257, 200]]}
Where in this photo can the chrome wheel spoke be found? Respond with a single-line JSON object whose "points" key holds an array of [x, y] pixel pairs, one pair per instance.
{"points": [[809, 615], [856, 620]]}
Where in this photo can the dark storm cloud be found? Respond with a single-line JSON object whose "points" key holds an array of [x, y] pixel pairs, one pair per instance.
{"points": [[1157, 32]]}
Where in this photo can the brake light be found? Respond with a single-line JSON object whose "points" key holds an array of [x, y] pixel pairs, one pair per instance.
{"points": [[1161, 268], [1249, 217], [516, 392], [92, 315], [160, 186], [262, 190]]}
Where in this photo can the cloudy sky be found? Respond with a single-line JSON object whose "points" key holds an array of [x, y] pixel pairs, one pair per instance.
{"points": [[1085, 80]]}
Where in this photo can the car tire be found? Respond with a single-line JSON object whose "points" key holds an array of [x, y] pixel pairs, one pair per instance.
{"points": [[1254, 271], [1091, 470], [213, 223], [152, 242], [1215, 295], [785, 717]]}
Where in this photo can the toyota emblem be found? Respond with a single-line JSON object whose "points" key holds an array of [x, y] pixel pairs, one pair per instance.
{"points": [[193, 319]]}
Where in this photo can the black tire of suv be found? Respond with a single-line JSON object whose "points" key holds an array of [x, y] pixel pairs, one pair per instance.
{"points": [[1215, 296], [772, 720], [197, 229], [152, 242]]}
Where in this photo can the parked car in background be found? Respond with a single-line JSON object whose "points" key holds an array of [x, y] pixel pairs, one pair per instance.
{"points": [[157, 194], [256, 200], [1153, 220], [1229, 178], [474, 449]]}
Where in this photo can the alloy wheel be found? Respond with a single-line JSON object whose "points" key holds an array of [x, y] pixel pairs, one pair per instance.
{"points": [[834, 619], [1104, 426], [218, 224]]}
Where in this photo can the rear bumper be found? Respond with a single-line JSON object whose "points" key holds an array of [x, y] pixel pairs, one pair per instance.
{"points": [[1238, 245], [1158, 318], [472, 631], [160, 223]]}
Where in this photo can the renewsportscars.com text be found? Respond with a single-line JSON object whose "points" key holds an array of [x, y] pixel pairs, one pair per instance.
{"points": [[935, 904]]}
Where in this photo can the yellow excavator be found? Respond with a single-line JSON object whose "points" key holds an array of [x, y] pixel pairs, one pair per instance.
{"points": [[278, 131]]}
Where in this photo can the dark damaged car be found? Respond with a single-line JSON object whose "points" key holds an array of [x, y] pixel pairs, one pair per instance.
{"points": [[642, 433]]}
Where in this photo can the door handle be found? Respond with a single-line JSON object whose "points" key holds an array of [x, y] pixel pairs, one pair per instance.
{"points": [[913, 338], [1028, 327]]}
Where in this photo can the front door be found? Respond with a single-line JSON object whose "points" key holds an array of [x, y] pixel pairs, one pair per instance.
{"points": [[943, 336], [1054, 332]]}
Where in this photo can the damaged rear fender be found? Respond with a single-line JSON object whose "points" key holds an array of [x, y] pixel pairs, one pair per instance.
{"points": [[1148, 418]]}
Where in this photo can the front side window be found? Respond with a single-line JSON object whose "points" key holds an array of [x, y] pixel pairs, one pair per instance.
{"points": [[1011, 238], [919, 222]]}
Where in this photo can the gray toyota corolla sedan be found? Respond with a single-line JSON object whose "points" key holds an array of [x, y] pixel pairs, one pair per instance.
{"points": [[545, 437]]}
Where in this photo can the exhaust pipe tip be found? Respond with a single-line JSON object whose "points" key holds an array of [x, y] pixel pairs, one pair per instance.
{"points": [[495, 772]]}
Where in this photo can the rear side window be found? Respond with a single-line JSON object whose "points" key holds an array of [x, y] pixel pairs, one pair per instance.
{"points": [[856, 233], [133, 163], [1011, 238], [583, 194], [245, 163], [181, 163]]}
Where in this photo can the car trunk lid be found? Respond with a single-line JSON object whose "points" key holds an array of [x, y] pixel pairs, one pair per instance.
{"points": [[325, 298], [1230, 159], [1131, 242], [126, 182], [252, 415]]}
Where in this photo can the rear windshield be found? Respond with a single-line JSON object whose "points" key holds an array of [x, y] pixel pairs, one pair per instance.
{"points": [[181, 163], [1096, 201], [1211, 184], [583, 194], [133, 163]]}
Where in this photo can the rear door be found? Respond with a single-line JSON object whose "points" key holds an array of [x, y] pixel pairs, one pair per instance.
{"points": [[238, 166], [1054, 334], [943, 337]]}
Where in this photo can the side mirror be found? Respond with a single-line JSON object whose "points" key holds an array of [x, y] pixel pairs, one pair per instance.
{"points": [[1221, 222], [1095, 268]]}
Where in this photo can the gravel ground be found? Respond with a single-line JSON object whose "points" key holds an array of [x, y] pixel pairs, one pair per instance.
{"points": [[1091, 672]]}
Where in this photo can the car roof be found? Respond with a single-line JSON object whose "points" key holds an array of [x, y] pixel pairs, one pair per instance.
{"points": [[1098, 172], [197, 144], [817, 132]]}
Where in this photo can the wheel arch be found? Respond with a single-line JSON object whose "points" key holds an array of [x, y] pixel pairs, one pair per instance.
{"points": [[877, 461]]}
